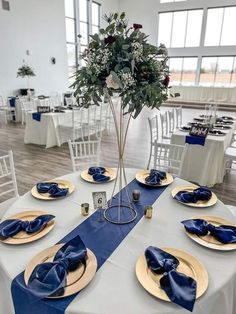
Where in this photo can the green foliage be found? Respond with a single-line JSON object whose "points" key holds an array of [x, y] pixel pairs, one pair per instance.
{"points": [[120, 61], [24, 71]]}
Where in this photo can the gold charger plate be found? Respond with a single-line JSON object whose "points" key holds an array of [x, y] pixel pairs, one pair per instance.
{"points": [[22, 237], [142, 174], [188, 265], [208, 240], [76, 280], [109, 172], [200, 204], [61, 183]]}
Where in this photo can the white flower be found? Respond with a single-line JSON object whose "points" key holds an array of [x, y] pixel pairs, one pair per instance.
{"points": [[127, 80], [111, 83], [137, 50]]}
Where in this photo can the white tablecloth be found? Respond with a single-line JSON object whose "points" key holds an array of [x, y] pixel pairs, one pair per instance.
{"points": [[205, 94], [45, 132], [204, 164], [115, 288]]}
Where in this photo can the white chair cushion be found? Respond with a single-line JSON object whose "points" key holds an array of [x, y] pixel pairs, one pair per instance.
{"points": [[230, 152], [5, 205], [233, 144]]}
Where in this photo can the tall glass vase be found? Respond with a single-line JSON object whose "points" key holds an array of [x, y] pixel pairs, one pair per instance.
{"points": [[120, 209]]}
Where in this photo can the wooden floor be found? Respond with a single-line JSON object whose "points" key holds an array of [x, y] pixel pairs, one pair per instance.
{"points": [[34, 163]]}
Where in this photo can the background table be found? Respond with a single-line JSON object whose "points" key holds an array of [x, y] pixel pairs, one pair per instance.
{"points": [[45, 132], [115, 288], [204, 164]]}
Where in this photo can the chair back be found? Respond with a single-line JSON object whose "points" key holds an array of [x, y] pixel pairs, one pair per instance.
{"points": [[178, 116], [168, 157], [171, 121], [2, 102], [154, 135], [164, 126], [84, 154], [69, 101], [8, 184]]}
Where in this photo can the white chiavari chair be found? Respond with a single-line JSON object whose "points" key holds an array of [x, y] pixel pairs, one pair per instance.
{"points": [[165, 135], [8, 184], [168, 157], [71, 127], [178, 117], [6, 111], [84, 153], [171, 121], [154, 136], [25, 107], [230, 159]]}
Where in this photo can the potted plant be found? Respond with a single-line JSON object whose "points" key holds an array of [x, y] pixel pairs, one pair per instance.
{"points": [[25, 71]]}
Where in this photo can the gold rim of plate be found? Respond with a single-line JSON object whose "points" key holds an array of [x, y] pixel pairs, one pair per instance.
{"points": [[200, 204], [22, 237], [87, 177], [47, 197], [76, 280], [208, 240], [189, 265], [142, 174]]}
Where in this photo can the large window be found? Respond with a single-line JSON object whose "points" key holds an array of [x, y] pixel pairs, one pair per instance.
{"points": [[180, 28], [183, 70], [218, 71], [221, 22], [82, 19], [200, 42]]}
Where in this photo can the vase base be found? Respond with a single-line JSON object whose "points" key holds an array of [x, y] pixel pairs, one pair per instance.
{"points": [[120, 214]]}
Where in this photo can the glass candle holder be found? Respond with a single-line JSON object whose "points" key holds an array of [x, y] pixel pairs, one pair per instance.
{"points": [[148, 211], [136, 195], [84, 209]]}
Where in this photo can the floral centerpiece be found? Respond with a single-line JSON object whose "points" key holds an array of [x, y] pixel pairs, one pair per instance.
{"points": [[120, 62], [26, 71]]}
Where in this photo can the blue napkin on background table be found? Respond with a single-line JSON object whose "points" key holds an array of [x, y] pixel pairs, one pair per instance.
{"points": [[199, 194], [195, 140], [180, 288], [52, 189], [36, 116], [98, 174], [10, 227], [49, 278], [155, 177], [224, 234]]}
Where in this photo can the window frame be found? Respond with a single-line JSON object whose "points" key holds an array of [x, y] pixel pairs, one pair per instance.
{"points": [[77, 25]]}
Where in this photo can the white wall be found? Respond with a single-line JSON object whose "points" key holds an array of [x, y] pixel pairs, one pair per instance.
{"points": [[38, 26]]}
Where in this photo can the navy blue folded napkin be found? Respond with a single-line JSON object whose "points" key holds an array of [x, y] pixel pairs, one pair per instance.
{"points": [[155, 177], [10, 227], [49, 279], [199, 194], [195, 140], [52, 189], [223, 233], [36, 116], [12, 101], [98, 174], [180, 288]]}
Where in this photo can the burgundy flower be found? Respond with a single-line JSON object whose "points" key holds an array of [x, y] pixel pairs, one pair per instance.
{"points": [[109, 40], [145, 75], [166, 81], [137, 26]]}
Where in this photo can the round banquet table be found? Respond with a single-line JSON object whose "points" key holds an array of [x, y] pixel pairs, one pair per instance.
{"points": [[115, 288]]}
